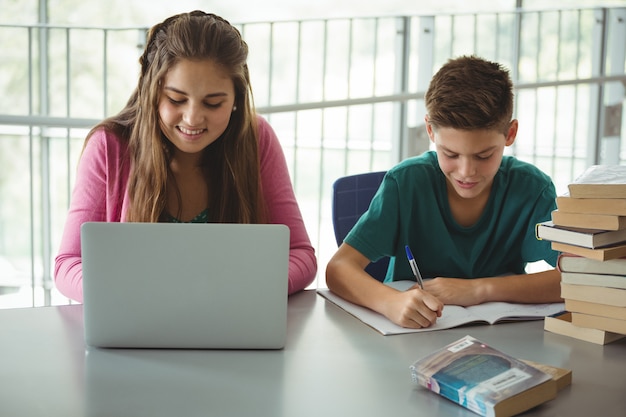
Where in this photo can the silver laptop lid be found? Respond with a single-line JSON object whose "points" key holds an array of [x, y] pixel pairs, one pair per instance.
{"points": [[166, 285]]}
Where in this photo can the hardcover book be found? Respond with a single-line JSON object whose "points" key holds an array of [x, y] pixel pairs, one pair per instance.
{"points": [[614, 206], [589, 238], [596, 280], [592, 221], [568, 262], [598, 322], [483, 379], [562, 325], [599, 254], [600, 181], [603, 295], [596, 309]]}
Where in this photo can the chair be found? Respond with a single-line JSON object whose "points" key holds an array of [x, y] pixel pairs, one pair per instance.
{"points": [[351, 198]]}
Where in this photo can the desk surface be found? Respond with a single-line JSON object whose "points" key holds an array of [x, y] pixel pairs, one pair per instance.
{"points": [[333, 365]]}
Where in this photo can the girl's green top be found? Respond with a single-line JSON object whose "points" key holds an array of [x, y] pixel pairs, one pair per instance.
{"points": [[203, 217]]}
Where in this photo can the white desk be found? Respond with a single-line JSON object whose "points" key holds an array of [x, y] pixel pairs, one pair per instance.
{"points": [[333, 365]]}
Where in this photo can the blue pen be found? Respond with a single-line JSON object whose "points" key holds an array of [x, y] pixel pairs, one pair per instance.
{"points": [[414, 267]]}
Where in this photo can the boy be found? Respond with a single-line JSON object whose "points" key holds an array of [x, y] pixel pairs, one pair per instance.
{"points": [[467, 212]]}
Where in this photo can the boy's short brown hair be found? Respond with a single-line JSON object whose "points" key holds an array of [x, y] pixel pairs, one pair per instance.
{"points": [[470, 93]]}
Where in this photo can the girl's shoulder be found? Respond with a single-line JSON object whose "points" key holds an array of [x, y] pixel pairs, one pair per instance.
{"points": [[102, 136], [266, 136], [264, 129], [104, 144]]}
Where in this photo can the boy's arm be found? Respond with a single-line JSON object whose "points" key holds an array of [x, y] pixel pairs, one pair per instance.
{"points": [[346, 277], [539, 287]]}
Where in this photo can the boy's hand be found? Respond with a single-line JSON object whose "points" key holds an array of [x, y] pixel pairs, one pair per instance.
{"points": [[414, 308], [455, 291]]}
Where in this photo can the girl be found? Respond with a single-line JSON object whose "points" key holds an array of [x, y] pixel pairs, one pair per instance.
{"points": [[188, 147]]}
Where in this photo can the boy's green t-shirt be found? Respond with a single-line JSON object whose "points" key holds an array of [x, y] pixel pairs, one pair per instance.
{"points": [[411, 208]]}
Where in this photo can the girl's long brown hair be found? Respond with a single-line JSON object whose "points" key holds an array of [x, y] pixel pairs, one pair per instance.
{"points": [[231, 163]]}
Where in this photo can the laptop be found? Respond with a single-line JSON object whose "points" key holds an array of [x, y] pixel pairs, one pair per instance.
{"points": [[185, 286]]}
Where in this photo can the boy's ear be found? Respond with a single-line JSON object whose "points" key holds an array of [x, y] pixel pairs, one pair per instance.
{"points": [[429, 129], [512, 132]]}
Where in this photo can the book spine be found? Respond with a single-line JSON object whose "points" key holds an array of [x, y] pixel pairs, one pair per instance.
{"points": [[600, 254], [598, 280], [599, 322], [563, 325], [611, 206], [594, 294], [596, 309], [591, 221], [450, 392]]}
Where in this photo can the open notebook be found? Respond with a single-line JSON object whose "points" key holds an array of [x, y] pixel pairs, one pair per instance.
{"points": [[167, 285], [453, 316]]}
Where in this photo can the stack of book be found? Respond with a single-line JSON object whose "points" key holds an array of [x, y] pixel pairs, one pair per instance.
{"points": [[589, 229]]}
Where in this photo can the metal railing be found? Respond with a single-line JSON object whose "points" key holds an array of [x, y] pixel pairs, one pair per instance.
{"points": [[344, 96]]}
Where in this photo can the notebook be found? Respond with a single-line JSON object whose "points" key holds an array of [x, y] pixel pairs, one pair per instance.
{"points": [[196, 286]]}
